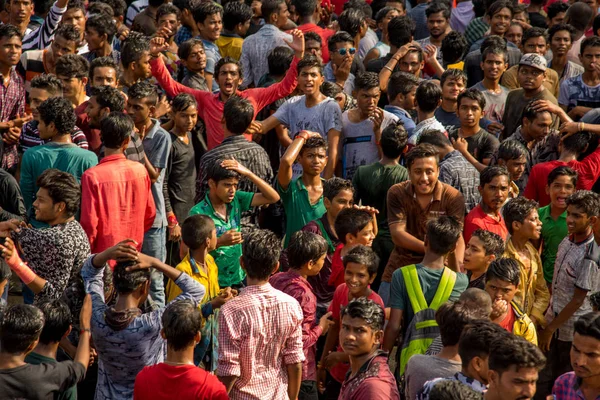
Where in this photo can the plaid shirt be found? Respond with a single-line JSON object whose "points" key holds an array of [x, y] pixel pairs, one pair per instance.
{"points": [[567, 387], [457, 172], [182, 35], [12, 103], [260, 332]]}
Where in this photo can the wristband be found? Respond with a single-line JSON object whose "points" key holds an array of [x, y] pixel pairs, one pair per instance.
{"points": [[388, 68], [172, 220], [23, 272], [85, 330]]}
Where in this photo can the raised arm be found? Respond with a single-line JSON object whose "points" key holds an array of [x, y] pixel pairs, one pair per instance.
{"points": [[285, 174], [266, 195]]}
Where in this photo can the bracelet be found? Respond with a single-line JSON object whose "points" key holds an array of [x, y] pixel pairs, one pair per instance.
{"points": [[583, 126], [302, 136], [388, 68], [172, 220], [88, 330]]}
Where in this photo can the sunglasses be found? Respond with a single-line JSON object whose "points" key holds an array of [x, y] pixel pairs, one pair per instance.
{"points": [[351, 50]]}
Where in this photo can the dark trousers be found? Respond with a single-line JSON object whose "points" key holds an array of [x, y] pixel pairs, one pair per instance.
{"points": [[558, 363], [308, 391]]}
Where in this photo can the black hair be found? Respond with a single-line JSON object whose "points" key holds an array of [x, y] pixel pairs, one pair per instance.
{"points": [[57, 321], [118, 6], [181, 322], [428, 96], [185, 48], [115, 128], [534, 32], [68, 32], [365, 309], [205, 10], [592, 41], [585, 200], [511, 350], [382, 13], [360, 5], [5, 272], [305, 247], [477, 300], [103, 62], [493, 40], [333, 186], [238, 114], [394, 140], [21, 326], [472, 94], [236, 13], [366, 81], [314, 142], [442, 234], [185, 4], [166, 9], [103, 24], [61, 187], [99, 8], [516, 210], [452, 317], [60, 111], [401, 83], [577, 143], [437, 7], [492, 242], [401, 30], [48, 82], [496, 50], [351, 221], [453, 48], [196, 229], [421, 151], [314, 36], [339, 37], [41, 7], [554, 9], [579, 16], [351, 20], [435, 138], [261, 250], [588, 325], [270, 7], [562, 27], [228, 60], [499, 5], [133, 48], [504, 269], [109, 97], [595, 25], [125, 281], [363, 255], [447, 389], [453, 74], [489, 173], [511, 150], [182, 102], [563, 170], [330, 89], [143, 90], [8, 31], [72, 66], [76, 4], [310, 61], [305, 8], [476, 339], [216, 173]]}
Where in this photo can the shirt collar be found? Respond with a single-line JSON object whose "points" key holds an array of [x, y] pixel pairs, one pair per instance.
{"points": [[235, 138], [231, 35], [452, 154], [155, 127], [113, 157], [266, 288], [437, 191]]}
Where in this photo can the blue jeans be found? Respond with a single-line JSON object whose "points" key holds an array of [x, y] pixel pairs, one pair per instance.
{"points": [[384, 292], [155, 242]]}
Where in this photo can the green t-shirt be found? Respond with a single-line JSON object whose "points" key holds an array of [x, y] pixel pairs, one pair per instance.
{"points": [[429, 280], [36, 359], [553, 232], [227, 257], [298, 210]]}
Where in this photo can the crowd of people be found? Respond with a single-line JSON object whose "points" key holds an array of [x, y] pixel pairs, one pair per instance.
{"points": [[296, 199]]}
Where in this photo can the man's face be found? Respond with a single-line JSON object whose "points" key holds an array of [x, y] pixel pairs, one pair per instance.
{"points": [[225, 189], [515, 35], [386, 20], [469, 112], [142, 68], [495, 193], [61, 46], [408, 101], [282, 15], [43, 206], [10, 50], [345, 48], [452, 88], [423, 175], [186, 120], [410, 63], [196, 61], [590, 59], [593, 5], [366, 100], [357, 338], [36, 97], [229, 79], [536, 45], [139, 110], [437, 25], [561, 43], [540, 126], [94, 112], [494, 66], [530, 78], [310, 80], [500, 290], [313, 161], [75, 17], [211, 27], [516, 168], [170, 22], [500, 22], [256, 8], [578, 220], [20, 10], [46, 131], [72, 87], [559, 191], [94, 40], [475, 257], [514, 384], [585, 356], [344, 199], [313, 47], [104, 76], [531, 227], [558, 19]]}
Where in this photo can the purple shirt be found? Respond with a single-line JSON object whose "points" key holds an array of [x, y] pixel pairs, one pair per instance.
{"points": [[566, 387], [374, 381]]}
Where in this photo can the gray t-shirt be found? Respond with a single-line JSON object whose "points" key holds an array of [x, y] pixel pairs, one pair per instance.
{"points": [[494, 102], [157, 146], [358, 141], [422, 368]]}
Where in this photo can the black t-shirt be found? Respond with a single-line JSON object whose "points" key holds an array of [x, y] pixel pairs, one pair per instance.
{"points": [[537, 20], [481, 145], [181, 181], [448, 119], [39, 382]]}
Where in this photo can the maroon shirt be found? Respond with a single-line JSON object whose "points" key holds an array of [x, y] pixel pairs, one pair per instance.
{"points": [[320, 283], [83, 122], [374, 381]]}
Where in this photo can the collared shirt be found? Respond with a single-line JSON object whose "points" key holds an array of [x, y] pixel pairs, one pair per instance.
{"points": [[474, 384], [553, 232], [462, 14], [183, 34], [230, 45], [457, 172], [257, 313], [292, 283], [478, 219], [30, 137], [330, 77], [227, 257], [116, 202], [12, 103], [255, 50], [403, 207], [157, 146], [42, 37], [568, 387], [374, 380]]}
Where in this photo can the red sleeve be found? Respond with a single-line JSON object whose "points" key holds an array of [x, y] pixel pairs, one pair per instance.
{"points": [[337, 268], [530, 191], [262, 97], [89, 216], [172, 87], [150, 208], [377, 299], [470, 227], [590, 170], [336, 304]]}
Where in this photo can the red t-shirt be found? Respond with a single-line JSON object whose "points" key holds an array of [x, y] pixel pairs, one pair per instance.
{"points": [[181, 382], [83, 123], [508, 322], [478, 219], [337, 267], [340, 299]]}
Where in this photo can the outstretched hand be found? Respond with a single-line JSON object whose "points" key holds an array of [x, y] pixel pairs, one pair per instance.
{"points": [[9, 226], [297, 43], [158, 44]]}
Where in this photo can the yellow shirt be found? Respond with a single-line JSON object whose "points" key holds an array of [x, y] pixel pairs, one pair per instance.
{"points": [[230, 46], [459, 65], [210, 281]]}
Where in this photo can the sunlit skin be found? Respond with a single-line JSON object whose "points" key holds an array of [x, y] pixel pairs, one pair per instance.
{"points": [[357, 338], [585, 357], [36, 97], [357, 279], [170, 22], [313, 161], [500, 290], [531, 227], [590, 59], [224, 190], [310, 80], [515, 167], [515, 34], [61, 46], [476, 260], [185, 120], [578, 223], [142, 68], [313, 47], [561, 43], [559, 191], [337, 58], [423, 174], [75, 17], [196, 61], [500, 22], [229, 79], [10, 51], [494, 194], [211, 28], [139, 110], [513, 384], [344, 199], [437, 25], [45, 209], [73, 87], [452, 88], [410, 63], [539, 127], [536, 45], [20, 11], [469, 113], [104, 76], [367, 101], [94, 40], [494, 66], [531, 79]]}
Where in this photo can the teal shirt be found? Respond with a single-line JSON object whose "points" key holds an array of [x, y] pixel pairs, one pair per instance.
{"points": [[227, 257], [36, 359], [298, 210], [66, 157], [553, 232]]}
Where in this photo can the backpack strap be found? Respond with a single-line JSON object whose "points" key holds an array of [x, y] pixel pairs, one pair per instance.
{"points": [[444, 289], [413, 288]]}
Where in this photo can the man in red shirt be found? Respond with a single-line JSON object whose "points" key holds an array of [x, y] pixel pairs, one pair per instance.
{"points": [[116, 202], [494, 183], [228, 75], [308, 11]]}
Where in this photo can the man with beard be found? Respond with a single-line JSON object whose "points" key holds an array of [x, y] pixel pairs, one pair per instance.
{"points": [[438, 23]]}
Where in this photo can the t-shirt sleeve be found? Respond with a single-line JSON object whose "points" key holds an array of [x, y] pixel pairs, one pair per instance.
{"points": [[336, 304], [398, 295], [462, 281], [63, 374], [588, 276], [245, 200], [396, 210], [489, 148], [456, 207], [563, 94], [282, 114], [210, 64], [333, 117], [159, 155]]}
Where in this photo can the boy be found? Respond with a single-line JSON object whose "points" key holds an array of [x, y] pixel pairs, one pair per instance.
{"points": [[302, 197], [199, 234], [249, 365], [224, 204], [482, 248], [353, 226], [73, 70], [561, 184], [401, 91], [493, 187], [561, 38], [306, 254], [362, 126], [193, 58], [360, 266], [427, 99], [513, 156], [100, 30], [236, 21], [502, 280], [208, 17], [453, 82], [135, 58], [167, 22], [523, 224]]}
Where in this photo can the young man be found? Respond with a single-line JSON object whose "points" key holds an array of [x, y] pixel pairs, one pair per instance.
{"points": [[428, 97], [193, 58], [362, 126], [167, 22], [177, 376], [401, 91], [579, 95], [236, 21], [40, 37], [145, 21], [482, 248], [338, 70], [100, 30], [76, 16], [135, 57], [353, 21], [493, 186], [116, 200], [400, 34], [309, 15], [453, 83], [438, 25], [361, 335], [561, 38], [417, 14], [556, 14], [498, 15], [249, 366], [73, 71]]}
